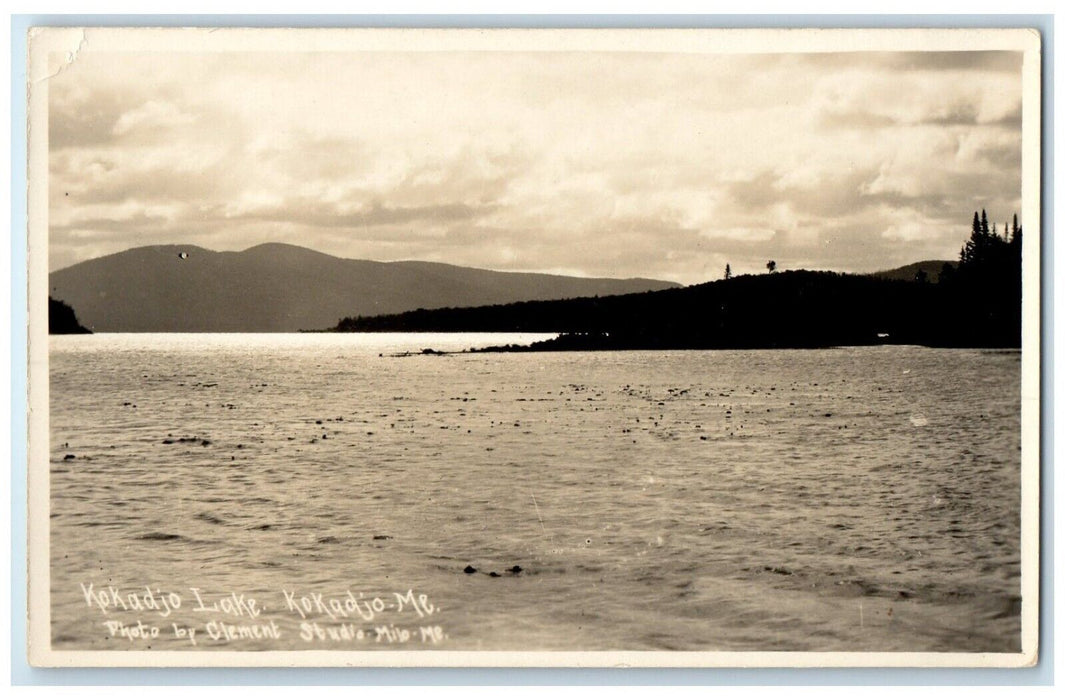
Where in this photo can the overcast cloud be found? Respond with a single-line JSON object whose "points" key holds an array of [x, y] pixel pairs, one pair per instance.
{"points": [[620, 165]]}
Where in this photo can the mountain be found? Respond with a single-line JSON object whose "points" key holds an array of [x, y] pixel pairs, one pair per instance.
{"points": [[908, 273], [276, 287]]}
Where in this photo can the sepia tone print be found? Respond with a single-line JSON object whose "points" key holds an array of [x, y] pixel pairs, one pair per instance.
{"points": [[386, 347]]}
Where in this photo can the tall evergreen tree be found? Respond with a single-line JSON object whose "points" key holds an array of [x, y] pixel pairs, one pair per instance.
{"points": [[972, 246], [985, 248], [984, 290]]}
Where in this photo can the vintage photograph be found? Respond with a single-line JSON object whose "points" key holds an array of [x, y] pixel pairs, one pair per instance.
{"points": [[534, 347]]}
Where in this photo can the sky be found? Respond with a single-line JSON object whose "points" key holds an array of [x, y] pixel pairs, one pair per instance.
{"points": [[660, 165]]}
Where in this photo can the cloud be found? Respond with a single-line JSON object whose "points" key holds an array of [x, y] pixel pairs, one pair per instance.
{"points": [[860, 119], [83, 118], [153, 115], [741, 234], [900, 61], [969, 61], [315, 213], [617, 164]]}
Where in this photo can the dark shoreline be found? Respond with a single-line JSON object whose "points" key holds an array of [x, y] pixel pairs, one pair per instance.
{"points": [[569, 343], [794, 309]]}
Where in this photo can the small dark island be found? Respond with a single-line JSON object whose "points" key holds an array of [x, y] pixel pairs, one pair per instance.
{"points": [[62, 320]]}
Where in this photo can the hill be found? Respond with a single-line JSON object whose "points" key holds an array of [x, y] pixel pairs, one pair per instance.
{"points": [[909, 273], [62, 320], [797, 309], [282, 288]]}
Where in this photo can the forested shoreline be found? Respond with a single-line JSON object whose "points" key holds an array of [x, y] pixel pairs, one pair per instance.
{"points": [[975, 303]]}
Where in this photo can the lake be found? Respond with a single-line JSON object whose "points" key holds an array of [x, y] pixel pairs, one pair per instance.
{"points": [[317, 492]]}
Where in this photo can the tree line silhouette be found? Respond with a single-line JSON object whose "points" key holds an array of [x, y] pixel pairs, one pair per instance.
{"points": [[975, 303], [983, 292]]}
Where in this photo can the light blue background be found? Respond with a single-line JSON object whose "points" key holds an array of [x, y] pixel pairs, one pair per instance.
{"points": [[23, 674]]}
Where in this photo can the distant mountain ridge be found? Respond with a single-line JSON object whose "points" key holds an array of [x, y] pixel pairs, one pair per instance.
{"points": [[909, 273], [276, 287]]}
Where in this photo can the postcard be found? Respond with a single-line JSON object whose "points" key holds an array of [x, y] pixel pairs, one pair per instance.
{"points": [[517, 347]]}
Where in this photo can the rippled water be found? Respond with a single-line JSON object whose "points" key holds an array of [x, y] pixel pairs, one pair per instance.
{"points": [[845, 499]]}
